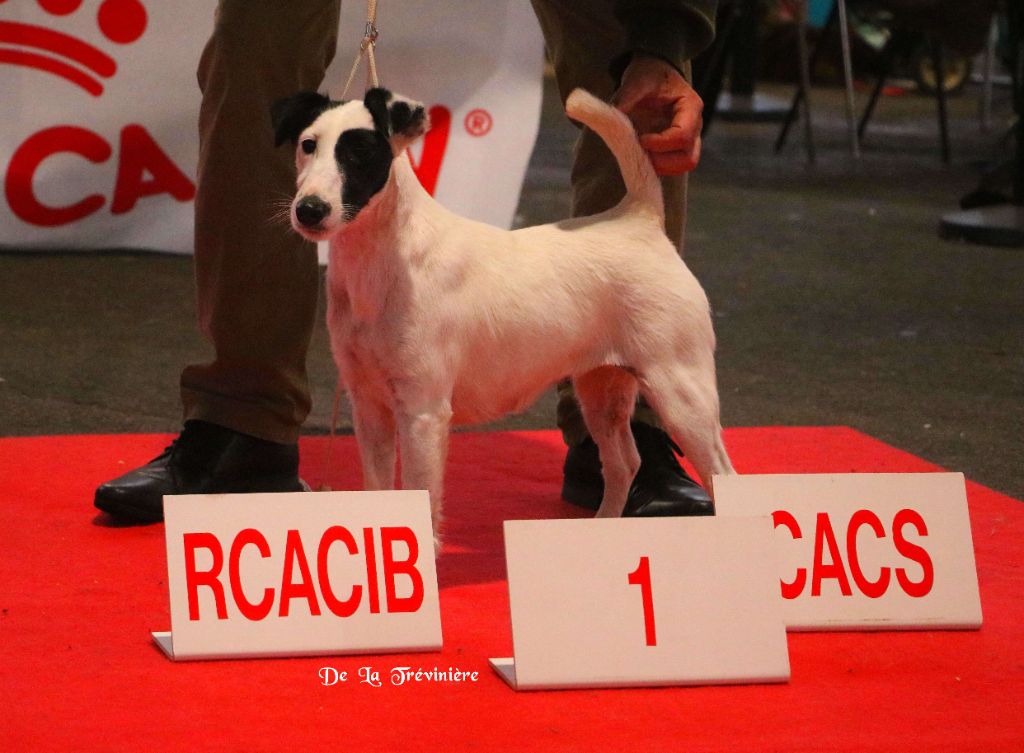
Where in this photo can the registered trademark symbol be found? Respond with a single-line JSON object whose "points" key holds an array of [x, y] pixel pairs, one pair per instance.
{"points": [[478, 122]]}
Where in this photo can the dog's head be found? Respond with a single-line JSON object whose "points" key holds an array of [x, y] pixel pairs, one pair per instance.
{"points": [[343, 152]]}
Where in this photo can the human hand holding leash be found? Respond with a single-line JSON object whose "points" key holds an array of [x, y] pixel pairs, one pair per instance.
{"points": [[666, 112]]}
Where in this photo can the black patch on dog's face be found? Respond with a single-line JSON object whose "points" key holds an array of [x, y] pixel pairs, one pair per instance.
{"points": [[364, 155], [364, 158]]}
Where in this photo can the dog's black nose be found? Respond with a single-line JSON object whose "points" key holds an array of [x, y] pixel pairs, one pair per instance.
{"points": [[311, 210]]}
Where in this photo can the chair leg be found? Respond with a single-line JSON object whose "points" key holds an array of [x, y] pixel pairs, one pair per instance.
{"points": [[985, 105], [851, 104], [940, 96], [709, 87], [869, 110], [805, 79], [888, 60], [794, 107]]}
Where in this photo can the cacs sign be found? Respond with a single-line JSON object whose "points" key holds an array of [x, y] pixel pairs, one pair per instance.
{"points": [[838, 565], [99, 146], [868, 551]]}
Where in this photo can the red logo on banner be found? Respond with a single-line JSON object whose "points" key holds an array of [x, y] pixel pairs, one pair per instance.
{"points": [[68, 57], [143, 168], [478, 122]]}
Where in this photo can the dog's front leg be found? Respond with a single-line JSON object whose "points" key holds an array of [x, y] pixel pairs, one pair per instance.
{"points": [[374, 424], [423, 438]]}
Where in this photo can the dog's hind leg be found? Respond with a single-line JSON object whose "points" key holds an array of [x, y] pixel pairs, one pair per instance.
{"points": [[374, 424], [607, 396], [686, 400]]}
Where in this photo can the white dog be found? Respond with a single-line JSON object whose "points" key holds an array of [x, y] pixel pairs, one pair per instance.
{"points": [[436, 319]]}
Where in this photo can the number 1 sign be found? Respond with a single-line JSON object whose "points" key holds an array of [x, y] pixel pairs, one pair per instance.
{"points": [[642, 577], [666, 601]]}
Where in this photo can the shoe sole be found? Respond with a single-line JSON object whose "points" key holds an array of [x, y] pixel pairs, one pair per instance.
{"points": [[584, 496], [126, 512]]}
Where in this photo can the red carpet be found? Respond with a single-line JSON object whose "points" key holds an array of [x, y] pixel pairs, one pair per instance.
{"points": [[79, 598]]}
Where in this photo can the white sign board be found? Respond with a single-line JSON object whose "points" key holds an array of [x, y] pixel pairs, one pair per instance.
{"points": [[98, 144], [634, 601], [300, 574], [866, 551]]}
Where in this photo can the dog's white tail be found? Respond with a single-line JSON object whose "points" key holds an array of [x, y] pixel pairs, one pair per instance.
{"points": [[618, 133]]}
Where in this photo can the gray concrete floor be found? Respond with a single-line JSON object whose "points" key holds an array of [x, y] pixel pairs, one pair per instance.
{"points": [[835, 301]]}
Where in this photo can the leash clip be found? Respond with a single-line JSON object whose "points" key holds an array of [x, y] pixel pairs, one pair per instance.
{"points": [[369, 36], [366, 47]]}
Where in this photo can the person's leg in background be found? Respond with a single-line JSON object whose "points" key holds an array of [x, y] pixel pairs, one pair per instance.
{"points": [[257, 282], [583, 40]]}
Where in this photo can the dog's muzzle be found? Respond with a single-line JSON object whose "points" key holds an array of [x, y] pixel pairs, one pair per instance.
{"points": [[311, 211]]}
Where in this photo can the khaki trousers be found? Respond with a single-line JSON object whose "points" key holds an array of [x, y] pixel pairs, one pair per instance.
{"points": [[257, 283]]}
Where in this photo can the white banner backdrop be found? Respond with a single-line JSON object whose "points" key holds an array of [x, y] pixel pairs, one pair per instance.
{"points": [[98, 143]]}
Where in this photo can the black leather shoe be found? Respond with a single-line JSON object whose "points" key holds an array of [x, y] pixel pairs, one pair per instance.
{"points": [[661, 487], [204, 459]]}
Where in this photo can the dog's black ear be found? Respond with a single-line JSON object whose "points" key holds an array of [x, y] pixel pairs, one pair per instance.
{"points": [[408, 119], [401, 120], [290, 116], [376, 101]]}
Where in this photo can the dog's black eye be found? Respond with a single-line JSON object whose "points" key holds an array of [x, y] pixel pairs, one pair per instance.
{"points": [[308, 146]]}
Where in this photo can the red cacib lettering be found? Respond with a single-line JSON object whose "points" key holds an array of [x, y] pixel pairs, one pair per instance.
{"points": [[873, 589], [304, 589], [794, 588], [209, 578], [346, 607], [18, 184], [392, 567], [914, 553], [823, 535], [372, 589], [140, 156], [397, 562], [255, 612]]}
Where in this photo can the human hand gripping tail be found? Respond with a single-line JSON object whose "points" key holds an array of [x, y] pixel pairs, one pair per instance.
{"points": [[666, 112]]}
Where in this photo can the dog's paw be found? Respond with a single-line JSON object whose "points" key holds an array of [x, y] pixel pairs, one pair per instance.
{"points": [[438, 534], [438, 544]]}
